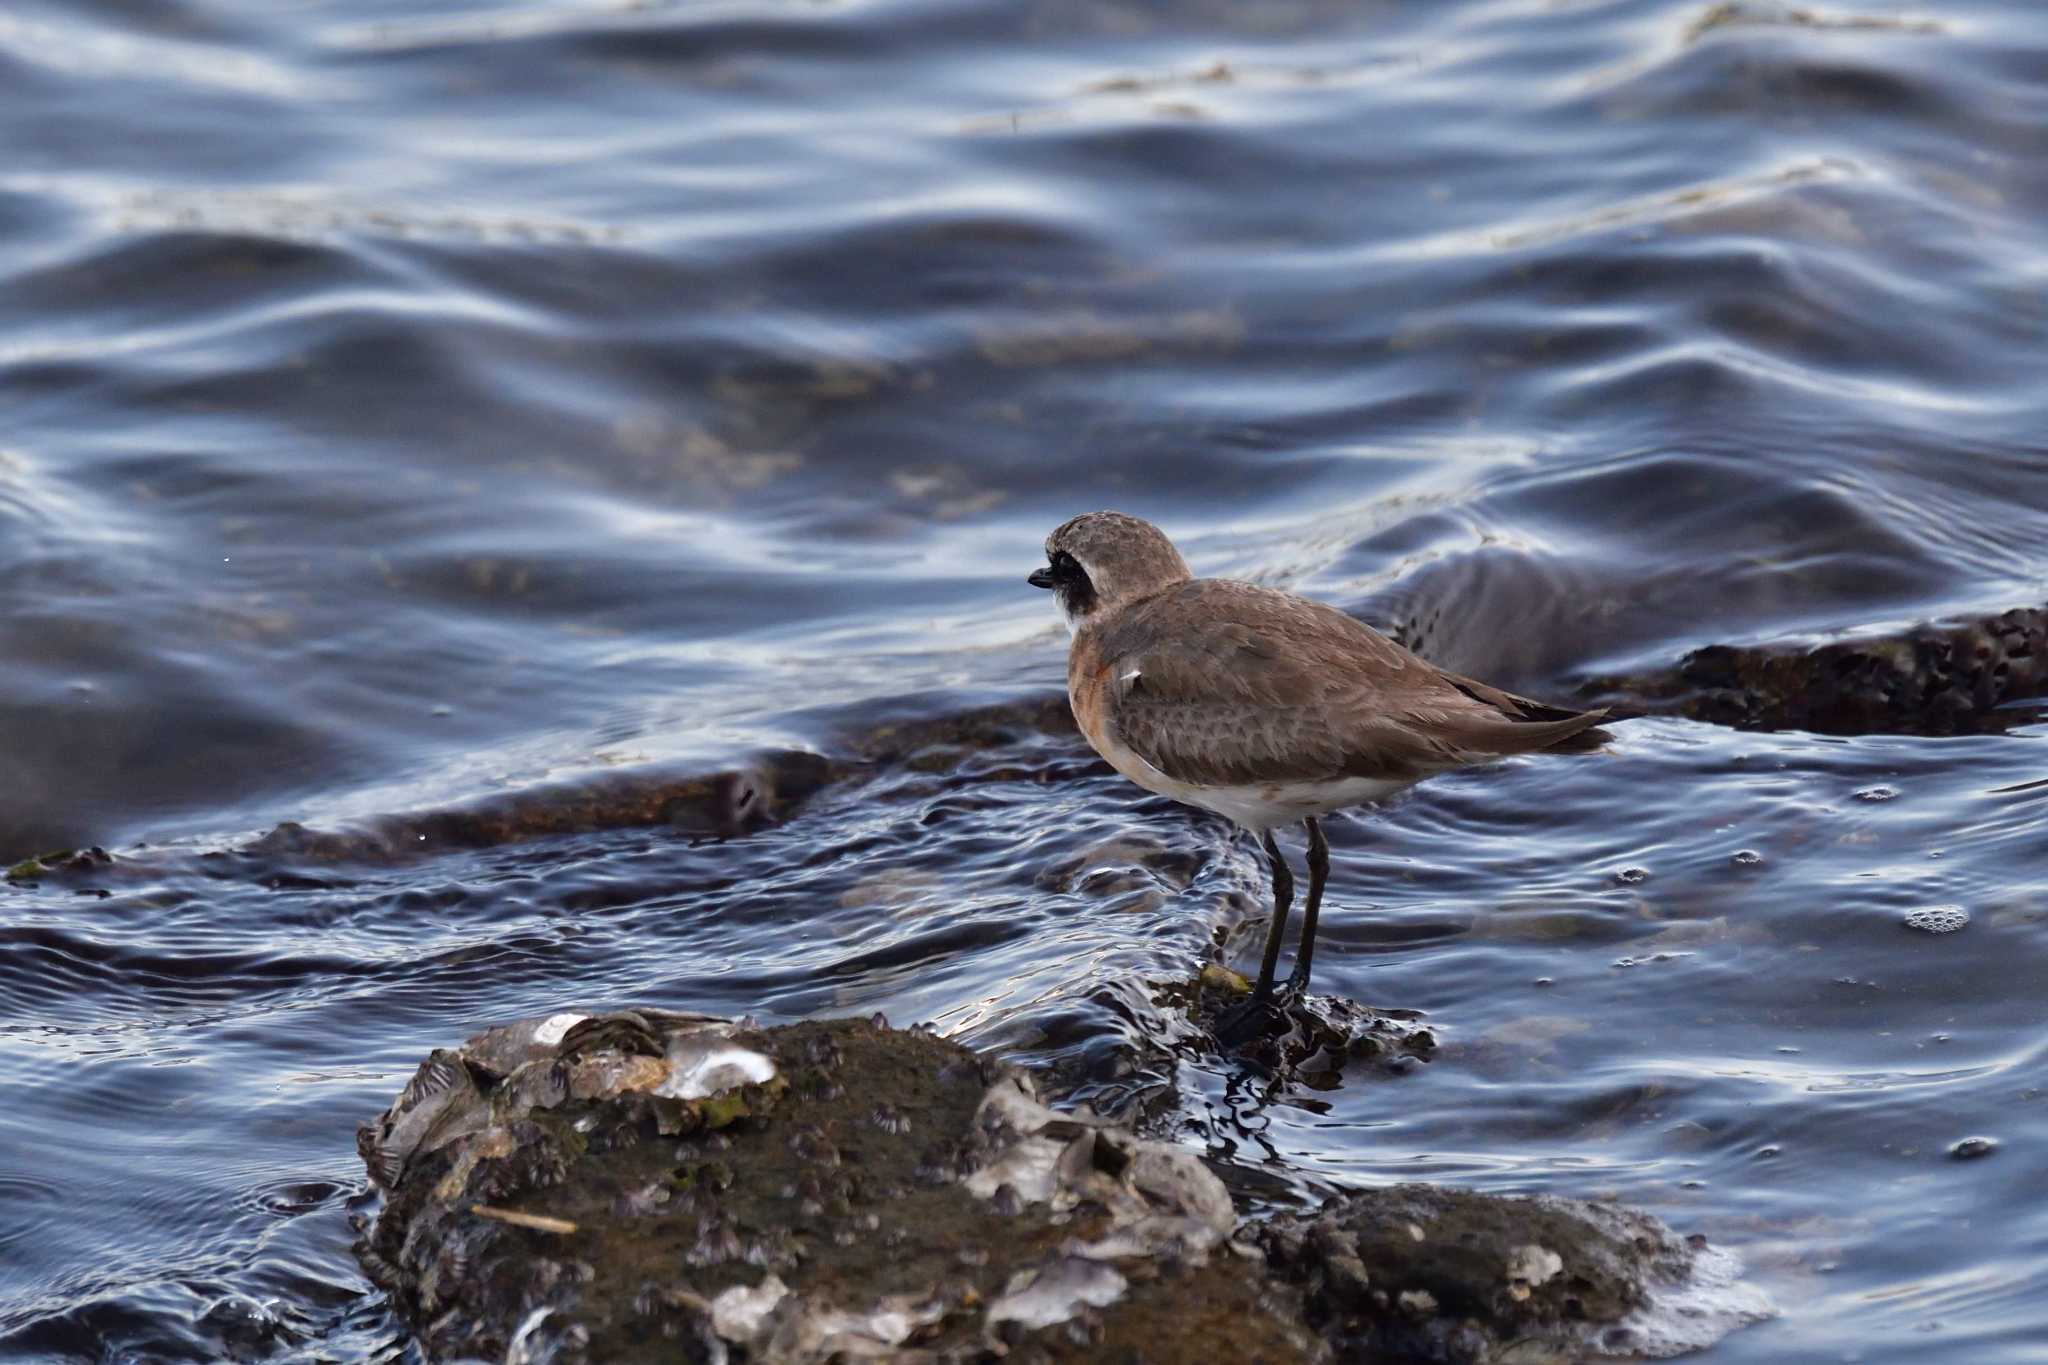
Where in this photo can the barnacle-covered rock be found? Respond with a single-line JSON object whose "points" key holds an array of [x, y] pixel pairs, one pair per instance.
{"points": [[1985, 673], [1425, 1273], [647, 1185]]}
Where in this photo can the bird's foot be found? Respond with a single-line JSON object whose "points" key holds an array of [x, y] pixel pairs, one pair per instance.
{"points": [[1255, 1018], [1246, 1022]]}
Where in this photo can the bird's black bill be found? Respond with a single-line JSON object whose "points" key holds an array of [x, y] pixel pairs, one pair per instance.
{"points": [[1041, 577]]}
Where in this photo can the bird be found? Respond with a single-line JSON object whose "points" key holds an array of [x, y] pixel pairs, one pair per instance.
{"points": [[1265, 707]]}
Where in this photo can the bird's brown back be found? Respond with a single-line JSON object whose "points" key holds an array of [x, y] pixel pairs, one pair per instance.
{"points": [[1222, 683]]}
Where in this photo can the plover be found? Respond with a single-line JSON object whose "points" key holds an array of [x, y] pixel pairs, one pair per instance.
{"points": [[1262, 706]]}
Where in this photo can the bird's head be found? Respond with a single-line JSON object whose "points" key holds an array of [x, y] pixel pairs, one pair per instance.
{"points": [[1101, 560]]}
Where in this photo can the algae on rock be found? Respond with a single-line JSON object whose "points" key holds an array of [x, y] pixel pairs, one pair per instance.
{"points": [[574, 1189], [646, 1185]]}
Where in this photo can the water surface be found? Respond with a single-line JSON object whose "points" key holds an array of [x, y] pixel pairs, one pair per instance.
{"points": [[407, 403]]}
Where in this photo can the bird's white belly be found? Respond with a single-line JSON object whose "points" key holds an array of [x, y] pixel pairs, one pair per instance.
{"points": [[1258, 806], [1262, 806]]}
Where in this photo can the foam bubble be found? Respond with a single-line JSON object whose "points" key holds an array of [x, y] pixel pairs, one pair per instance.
{"points": [[1937, 919], [1695, 1313]]}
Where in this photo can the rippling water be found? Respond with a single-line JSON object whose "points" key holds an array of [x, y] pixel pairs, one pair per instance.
{"points": [[402, 403]]}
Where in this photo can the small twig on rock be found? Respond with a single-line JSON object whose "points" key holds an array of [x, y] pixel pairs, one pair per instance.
{"points": [[539, 1222]]}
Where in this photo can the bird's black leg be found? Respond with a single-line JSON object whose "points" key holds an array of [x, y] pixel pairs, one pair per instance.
{"points": [[1249, 1018], [1318, 874], [1283, 899]]}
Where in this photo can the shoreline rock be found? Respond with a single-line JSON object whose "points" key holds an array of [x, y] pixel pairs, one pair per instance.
{"points": [[1974, 676], [1430, 1273], [649, 1185], [666, 1186]]}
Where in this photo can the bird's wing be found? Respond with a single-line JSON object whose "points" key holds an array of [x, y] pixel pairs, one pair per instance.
{"points": [[1222, 683]]}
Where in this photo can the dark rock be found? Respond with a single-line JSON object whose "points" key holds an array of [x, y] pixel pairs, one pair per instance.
{"points": [[70, 862], [651, 1184], [647, 1184], [713, 805], [1429, 1274], [1957, 677], [1313, 1041]]}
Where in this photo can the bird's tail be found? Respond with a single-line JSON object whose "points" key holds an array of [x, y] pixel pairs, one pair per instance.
{"points": [[1534, 725]]}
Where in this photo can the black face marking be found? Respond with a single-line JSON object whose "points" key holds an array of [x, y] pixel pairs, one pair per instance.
{"points": [[1070, 580]]}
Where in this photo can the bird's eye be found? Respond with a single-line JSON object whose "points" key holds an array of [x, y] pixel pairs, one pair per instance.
{"points": [[1065, 563]]}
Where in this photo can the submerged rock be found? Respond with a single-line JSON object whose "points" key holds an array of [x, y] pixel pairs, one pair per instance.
{"points": [[1959, 677], [652, 1185], [69, 860], [1981, 674], [1985, 673], [1425, 1273], [704, 805]]}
